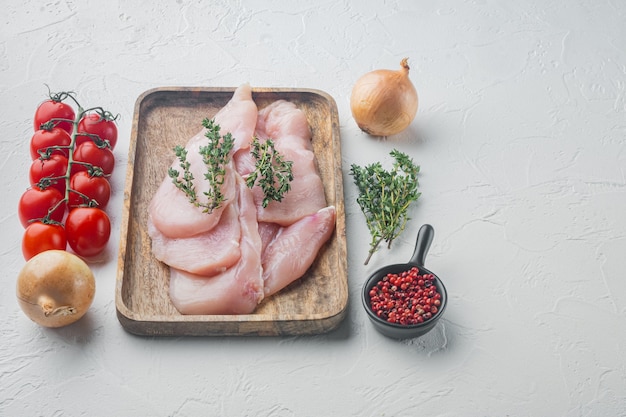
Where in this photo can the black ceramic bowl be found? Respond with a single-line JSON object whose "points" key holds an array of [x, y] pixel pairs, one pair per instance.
{"points": [[399, 331]]}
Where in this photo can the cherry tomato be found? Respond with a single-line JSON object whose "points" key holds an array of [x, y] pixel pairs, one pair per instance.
{"points": [[101, 126], [90, 153], [94, 187], [88, 230], [44, 138], [35, 204], [53, 168], [51, 109], [40, 237]]}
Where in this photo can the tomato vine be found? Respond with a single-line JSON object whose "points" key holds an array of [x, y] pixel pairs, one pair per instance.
{"points": [[56, 162]]}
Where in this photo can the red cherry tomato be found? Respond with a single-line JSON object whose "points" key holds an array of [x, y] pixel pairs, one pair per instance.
{"points": [[40, 237], [35, 204], [93, 187], [94, 124], [62, 115], [90, 153], [88, 230], [43, 139], [53, 168]]}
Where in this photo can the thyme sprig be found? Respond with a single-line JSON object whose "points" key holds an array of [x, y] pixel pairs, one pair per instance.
{"points": [[272, 173], [215, 155], [385, 197]]}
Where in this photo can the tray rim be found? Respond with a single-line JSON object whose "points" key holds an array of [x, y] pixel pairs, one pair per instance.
{"points": [[130, 319]]}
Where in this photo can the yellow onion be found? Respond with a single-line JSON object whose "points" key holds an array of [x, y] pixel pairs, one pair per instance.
{"points": [[55, 288], [384, 102]]}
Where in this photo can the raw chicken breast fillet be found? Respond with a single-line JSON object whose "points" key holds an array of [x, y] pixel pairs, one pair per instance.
{"points": [[294, 248], [288, 128], [239, 289], [170, 210], [239, 117], [207, 253]]}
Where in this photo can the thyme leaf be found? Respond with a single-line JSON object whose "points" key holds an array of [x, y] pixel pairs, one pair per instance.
{"points": [[385, 197]]}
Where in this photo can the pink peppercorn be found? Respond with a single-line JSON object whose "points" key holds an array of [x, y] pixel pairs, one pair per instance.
{"points": [[405, 298]]}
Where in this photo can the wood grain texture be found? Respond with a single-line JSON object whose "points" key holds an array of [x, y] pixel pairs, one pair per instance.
{"points": [[169, 116]]}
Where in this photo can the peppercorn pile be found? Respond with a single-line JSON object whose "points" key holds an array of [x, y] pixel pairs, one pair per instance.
{"points": [[405, 298]]}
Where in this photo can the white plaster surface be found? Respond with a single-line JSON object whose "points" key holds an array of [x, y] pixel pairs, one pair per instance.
{"points": [[520, 135]]}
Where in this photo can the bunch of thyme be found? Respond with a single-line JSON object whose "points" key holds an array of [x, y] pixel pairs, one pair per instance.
{"points": [[272, 173], [215, 155], [385, 197]]}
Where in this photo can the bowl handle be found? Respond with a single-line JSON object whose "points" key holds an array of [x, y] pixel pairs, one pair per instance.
{"points": [[424, 239]]}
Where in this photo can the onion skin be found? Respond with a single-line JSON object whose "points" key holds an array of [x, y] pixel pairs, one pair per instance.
{"points": [[55, 288], [384, 102]]}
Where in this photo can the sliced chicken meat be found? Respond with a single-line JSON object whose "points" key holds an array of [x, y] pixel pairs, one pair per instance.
{"points": [[268, 232], [287, 127], [238, 117], [294, 248], [283, 118], [228, 261], [170, 210], [239, 289], [207, 253]]}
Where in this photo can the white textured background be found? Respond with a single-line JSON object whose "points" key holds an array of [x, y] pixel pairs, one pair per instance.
{"points": [[521, 138]]}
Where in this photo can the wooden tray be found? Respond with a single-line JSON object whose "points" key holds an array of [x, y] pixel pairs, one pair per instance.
{"points": [[165, 117]]}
